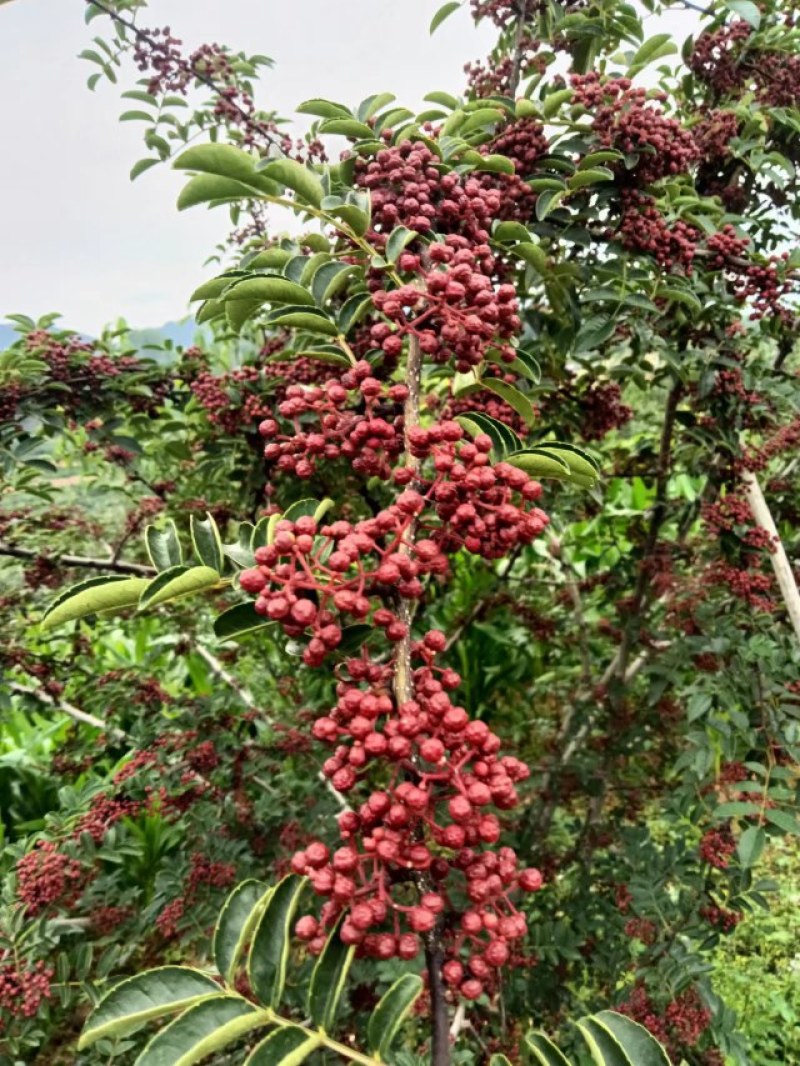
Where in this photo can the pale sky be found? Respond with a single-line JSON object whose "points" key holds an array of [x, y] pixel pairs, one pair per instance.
{"points": [[77, 236]]}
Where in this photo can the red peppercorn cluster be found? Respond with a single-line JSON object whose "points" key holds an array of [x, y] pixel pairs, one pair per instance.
{"points": [[157, 53], [205, 872], [23, 986], [481, 506], [730, 63], [523, 142], [643, 228], [720, 918], [232, 400], [407, 189], [504, 12], [717, 846], [714, 133], [46, 876], [623, 118], [679, 1026], [370, 439], [411, 858], [746, 583], [104, 812], [456, 312], [642, 929], [423, 829]]}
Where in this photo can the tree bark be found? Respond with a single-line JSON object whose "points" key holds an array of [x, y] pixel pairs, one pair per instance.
{"points": [[440, 1027], [780, 560]]}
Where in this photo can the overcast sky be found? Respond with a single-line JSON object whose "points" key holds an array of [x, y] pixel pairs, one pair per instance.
{"points": [[77, 236]]}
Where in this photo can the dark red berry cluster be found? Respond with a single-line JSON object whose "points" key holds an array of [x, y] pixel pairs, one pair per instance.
{"points": [[23, 986], [631, 121], [455, 311], [46, 876], [717, 846], [422, 829], [353, 416]]}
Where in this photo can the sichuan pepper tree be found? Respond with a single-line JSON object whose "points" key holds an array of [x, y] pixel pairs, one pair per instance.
{"points": [[610, 230]]}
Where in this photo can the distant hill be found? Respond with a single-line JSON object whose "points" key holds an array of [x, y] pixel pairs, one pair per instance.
{"points": [[179, 333]]}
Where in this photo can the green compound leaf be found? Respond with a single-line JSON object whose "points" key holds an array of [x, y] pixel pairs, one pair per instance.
{"points": [[178, 581], [504, 439], [212, 189], [302, 181], [235, 925], [140, 999], [238, 621], [163, 545], [544, 1051], [308, 508], [540, 464], [329, 280], [311, 320], [328, 980], [653, 48], [392, 1010], [206, 1027], [221, 161], [269, 952], [559, 460], [207, 542], [604, 1048], [641, 1048], [94, 596], [323, 109], [288, 1046], [399, 238], [269, 289], [445, 11], [512, 396]]}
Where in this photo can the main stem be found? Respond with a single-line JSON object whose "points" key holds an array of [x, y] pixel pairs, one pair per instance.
{"points": [[404, 691]]}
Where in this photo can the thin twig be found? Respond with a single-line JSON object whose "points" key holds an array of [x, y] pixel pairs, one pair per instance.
{"points": [[85, 562]]}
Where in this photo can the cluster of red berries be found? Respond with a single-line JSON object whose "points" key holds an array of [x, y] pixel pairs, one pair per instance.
{"points": [[624, 118], [407, 189], [232, 400], [720, 918], [523, 142], [158, 55], [785, 439], [23, 987], [714, 133], [727, 513], [422, 829], [456, 311], [495, 76], [505, 12], [717, 846], [310, 578], [87, 373], [205, 872], [746, 583], [369, 439], [679, 1026], [46, 876], [602, 410], [643, 228], [726, 60], [483, 507]]}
